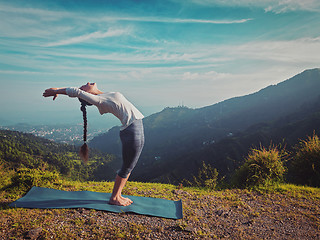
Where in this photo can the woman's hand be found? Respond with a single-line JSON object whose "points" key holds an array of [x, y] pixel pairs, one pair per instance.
{"points": [[51, 92]]}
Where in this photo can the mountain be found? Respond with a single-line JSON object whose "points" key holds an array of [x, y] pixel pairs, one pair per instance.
{"points": [[181, 135], [229, 153]]}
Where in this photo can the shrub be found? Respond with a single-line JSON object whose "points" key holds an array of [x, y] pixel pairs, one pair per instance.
{"points": [[261, 166], [26, 178], [5, 176], [305, 166], [207, 177]]}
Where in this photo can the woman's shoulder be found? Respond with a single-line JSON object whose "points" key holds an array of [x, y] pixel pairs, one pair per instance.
{"points": [[112, 95], [118, 94]]}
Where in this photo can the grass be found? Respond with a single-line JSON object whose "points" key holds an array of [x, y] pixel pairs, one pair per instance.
{"points": [[291, 190], [208, 214]]}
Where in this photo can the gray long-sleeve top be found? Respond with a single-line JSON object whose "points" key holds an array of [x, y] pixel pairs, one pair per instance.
{"points": [[109, 102]]}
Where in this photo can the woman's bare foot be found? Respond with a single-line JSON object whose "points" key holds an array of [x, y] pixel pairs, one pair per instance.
{"points": [[120, 201], [127, 199]]}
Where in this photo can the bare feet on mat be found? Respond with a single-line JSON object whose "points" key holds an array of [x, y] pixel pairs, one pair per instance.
{"points": [[120, 201], [127, 199]]}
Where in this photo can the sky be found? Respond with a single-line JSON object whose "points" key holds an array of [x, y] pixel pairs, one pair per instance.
{"points": [[159, 54]]}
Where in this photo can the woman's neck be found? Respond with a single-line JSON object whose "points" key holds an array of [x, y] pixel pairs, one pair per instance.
{"points": [[98, 92], [95, 91]]}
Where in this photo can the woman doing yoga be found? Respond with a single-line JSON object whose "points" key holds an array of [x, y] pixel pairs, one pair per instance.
{"points": [[131, 131]]}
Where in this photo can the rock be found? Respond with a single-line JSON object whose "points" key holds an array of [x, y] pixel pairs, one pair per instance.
{"points": [[248, 223], [34, 233], [219, 212], [189, 229], [226, 215]]}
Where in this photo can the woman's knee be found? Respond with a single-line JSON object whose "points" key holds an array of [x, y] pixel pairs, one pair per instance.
{"points": [[124, 172]]}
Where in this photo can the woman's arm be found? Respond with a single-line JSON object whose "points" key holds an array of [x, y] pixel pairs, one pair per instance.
{"points": [[89, 97], [53, 92], [72, 92]]}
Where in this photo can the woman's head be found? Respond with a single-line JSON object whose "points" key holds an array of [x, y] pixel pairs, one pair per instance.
{"points": [[91, 88]]}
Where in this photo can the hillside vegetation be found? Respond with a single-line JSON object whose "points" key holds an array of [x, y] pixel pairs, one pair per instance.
{"points": [[20, 150]]}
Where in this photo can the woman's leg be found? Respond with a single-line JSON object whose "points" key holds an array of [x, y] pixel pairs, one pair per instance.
{"points": [[116, 198], [132, 139]]}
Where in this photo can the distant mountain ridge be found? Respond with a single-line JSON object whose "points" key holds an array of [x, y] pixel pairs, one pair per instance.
{"points": [[284, 97], [174, 132]]}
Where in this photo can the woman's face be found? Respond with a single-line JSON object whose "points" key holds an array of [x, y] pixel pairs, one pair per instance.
{"points": [[89, 87]]}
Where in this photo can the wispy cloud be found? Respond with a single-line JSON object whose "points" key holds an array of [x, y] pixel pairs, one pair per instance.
{"points": [[175, 57], [52, 15], [88, 37], [301, 50], [19, 22], [175, 20], [292, 5], [11, 72], [276, 6], [42, 14]]}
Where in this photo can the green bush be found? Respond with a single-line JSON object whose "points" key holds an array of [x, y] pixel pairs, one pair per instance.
{"points": [[305, 166], [261, 166], [26, 178], [207, 177], [5, 176]]}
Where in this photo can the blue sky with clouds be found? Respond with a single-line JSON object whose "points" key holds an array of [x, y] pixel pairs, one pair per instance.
{"points": [[158, 53]]}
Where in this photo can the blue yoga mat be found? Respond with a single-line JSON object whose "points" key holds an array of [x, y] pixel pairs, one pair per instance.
{"points": [[39, 197]]}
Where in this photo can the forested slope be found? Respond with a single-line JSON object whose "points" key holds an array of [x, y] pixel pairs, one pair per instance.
{"points": [[21, 150]]}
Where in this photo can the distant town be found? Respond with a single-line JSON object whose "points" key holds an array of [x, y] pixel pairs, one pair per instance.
{"points": [[70, 134]]}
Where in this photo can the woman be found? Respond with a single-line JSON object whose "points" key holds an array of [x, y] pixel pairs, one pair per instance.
{"points": [[131, 131]]}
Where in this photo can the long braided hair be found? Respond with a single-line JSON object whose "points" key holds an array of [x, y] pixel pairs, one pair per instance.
{"points": [[84, 149]]}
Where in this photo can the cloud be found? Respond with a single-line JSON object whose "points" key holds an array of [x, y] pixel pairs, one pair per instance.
{"points": [[52, 15], [190, 61], [175, 20], [88, 37], [276, 6], [303, 50], [292, 5], [211, 76], [20, 22], [13, 72], [40, 14]]}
